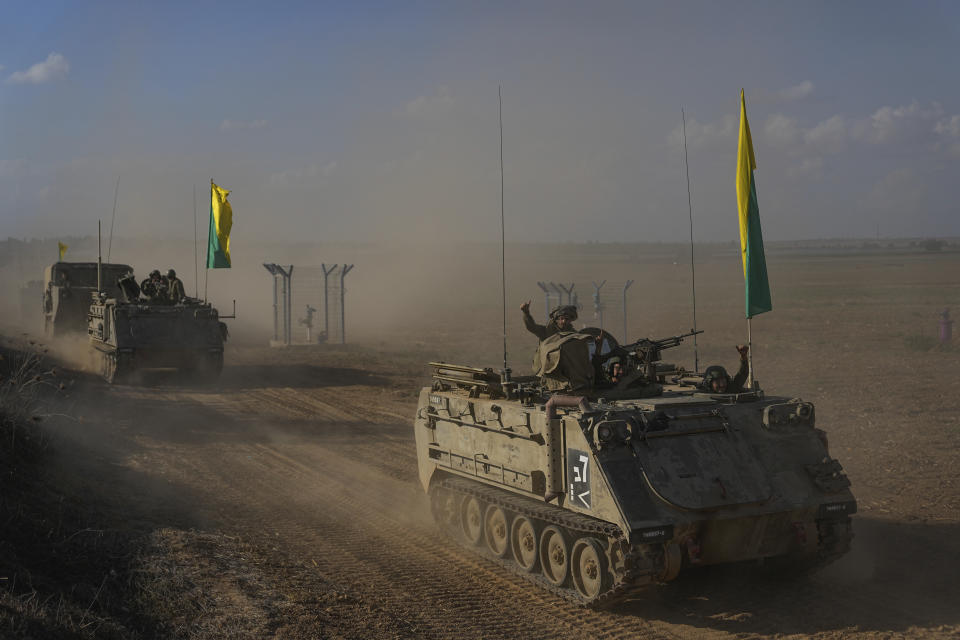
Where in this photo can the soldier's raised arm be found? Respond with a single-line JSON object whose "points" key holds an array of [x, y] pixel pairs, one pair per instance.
{"points": [[736, 386], [536, 329]]}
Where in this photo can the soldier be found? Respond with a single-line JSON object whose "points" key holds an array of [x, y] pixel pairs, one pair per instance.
{"points": [[153, 287], [562, 359], [716, 379], [561, 321], [614, 370], [175, 287]]}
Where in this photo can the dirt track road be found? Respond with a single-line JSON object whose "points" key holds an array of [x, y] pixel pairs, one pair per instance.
{"points": [[291, 503]]}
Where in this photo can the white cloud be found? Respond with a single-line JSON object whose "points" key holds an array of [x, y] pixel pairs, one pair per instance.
{"points": [[227, 125], [53, 68], [890, 123], [829, 136], [781, 129], [949, 127], [796, 92], [703, 133], [429, 105], [302, 174], [808, 167]]}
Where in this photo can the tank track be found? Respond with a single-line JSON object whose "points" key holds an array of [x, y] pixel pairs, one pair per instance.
{"points": [[115, 367], [835, 538], [623, 565]]}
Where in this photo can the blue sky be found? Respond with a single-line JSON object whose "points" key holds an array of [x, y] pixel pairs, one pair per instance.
{"points": [[378, 121]]}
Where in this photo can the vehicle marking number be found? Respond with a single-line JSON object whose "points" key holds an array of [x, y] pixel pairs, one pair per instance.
{"points": [[578, 478]]}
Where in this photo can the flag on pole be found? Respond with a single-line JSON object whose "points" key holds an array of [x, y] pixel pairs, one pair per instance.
{"points": [[63, 249], [756, 286], [221, 221]]}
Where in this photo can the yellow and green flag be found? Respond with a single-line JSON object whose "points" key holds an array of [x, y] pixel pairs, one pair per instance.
{"points": [[221, 221], [756, 287], [63, 249]]}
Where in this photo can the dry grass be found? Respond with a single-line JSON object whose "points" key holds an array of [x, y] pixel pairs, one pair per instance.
{"points": [[61, 576]]}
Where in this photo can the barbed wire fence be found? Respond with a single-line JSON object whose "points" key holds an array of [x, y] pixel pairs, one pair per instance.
{"points": [[309, 303], [601, 303]]}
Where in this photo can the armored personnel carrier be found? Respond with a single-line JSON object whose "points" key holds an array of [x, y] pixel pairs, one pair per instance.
{"points": [[130, 332], [627, 484], [66, 294]]}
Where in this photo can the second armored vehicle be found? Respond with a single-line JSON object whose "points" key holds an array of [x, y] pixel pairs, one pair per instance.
{"points": [[627, 484], [129, 333], [67, 287]]}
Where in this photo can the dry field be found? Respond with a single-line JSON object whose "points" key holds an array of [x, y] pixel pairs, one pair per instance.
{"points": [[282, 501]]}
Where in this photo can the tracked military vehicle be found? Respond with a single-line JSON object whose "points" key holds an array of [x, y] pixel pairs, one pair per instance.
{"points": [[66, 294], [627, 485], [130, 332]]}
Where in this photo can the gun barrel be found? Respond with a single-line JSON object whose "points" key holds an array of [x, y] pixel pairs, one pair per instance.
{"points": [[648, 344]]}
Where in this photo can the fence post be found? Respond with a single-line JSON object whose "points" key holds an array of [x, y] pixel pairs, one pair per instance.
{"points": [[559, 291], [597, 306], [343, 315], [546, 301], [626, 286], [326, 300], [290, 304]]}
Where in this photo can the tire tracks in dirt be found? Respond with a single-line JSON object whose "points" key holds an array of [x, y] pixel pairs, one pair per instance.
{"points": [[350, 500]]}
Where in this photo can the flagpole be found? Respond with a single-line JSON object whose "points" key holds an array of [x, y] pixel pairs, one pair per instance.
{"points": [[750, 352], [206, 273], [196, 252], [116, 192], [503, 242]]}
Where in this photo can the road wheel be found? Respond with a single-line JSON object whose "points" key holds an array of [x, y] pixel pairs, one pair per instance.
{"points": [[471, 520], [496, 531], [554, 555], [445, 508], [588, 565], [523, 542], [108, 367]]}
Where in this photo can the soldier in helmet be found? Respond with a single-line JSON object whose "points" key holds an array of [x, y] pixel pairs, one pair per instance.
{"points": [[562, 359], [614, 370], [561, 321], [151, 284], [174, 287], [717, 380]]}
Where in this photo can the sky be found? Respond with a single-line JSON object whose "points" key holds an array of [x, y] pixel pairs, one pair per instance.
{"points": [[378, 122]]}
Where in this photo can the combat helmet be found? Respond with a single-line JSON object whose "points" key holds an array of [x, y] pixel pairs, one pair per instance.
{"points": [[713, 372], [568, 310]]}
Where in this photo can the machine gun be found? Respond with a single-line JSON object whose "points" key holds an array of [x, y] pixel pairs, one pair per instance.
{"points": [[647, 351]]}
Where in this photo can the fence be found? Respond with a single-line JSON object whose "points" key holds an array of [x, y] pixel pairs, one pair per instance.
{"points": [[309, 303]]}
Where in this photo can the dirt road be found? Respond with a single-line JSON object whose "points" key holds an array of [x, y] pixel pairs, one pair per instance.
{"points": [[284, 502]]}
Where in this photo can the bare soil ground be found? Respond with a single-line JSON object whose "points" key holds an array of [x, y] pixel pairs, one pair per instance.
{"points": [[282, 501]]}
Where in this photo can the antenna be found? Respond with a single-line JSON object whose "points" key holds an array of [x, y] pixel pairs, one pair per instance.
{"points": [[503, 240], [693, 272], [99, 262], [116, 192]]}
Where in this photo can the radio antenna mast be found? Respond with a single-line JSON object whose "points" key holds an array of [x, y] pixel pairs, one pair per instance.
{"points": [[693, 272], [503, 240], [116, 192], [196, 252]]}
